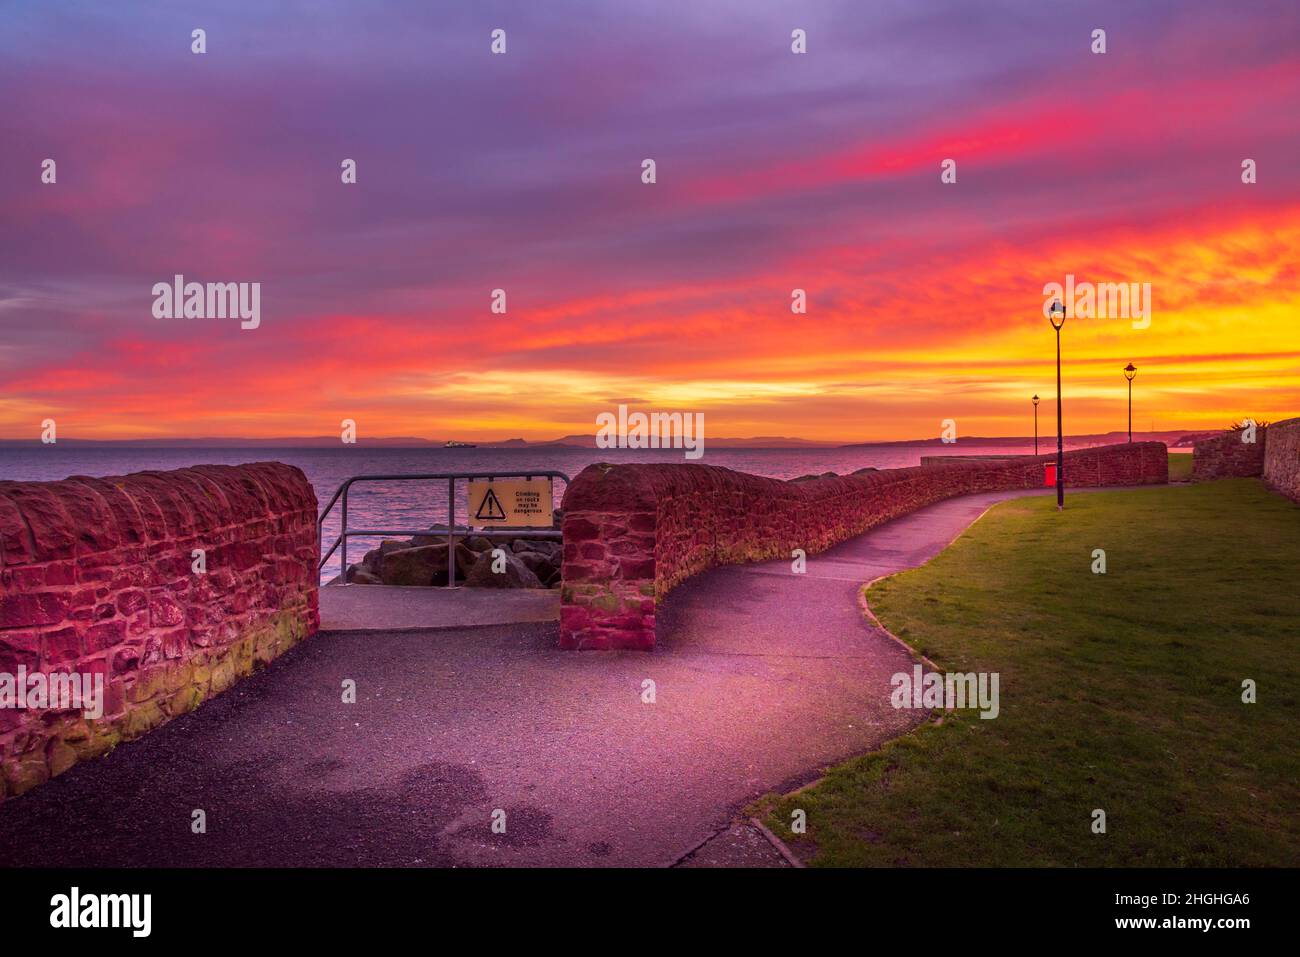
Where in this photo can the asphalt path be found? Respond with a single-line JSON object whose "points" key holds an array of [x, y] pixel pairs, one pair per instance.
{"points": [[761, 679]]}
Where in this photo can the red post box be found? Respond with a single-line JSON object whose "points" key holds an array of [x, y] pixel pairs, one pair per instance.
{"points": [[1049, 475]]}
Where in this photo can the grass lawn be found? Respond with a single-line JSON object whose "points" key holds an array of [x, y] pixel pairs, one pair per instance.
{"points": [[1120, 691], [1180, 466]]}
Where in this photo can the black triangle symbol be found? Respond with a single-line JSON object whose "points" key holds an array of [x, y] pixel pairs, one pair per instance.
{"points": [[490, 505]]}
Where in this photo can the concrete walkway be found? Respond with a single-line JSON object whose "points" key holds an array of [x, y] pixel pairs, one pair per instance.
{"points": [[345, 608], [762, 678]]}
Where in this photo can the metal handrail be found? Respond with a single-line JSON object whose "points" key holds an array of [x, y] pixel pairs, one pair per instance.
{"points": [[451, 529]]}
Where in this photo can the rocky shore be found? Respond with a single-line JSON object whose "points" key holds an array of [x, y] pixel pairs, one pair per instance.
{"points": [[526, 561]]}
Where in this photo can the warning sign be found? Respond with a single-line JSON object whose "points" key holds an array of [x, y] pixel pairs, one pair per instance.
{"points": [[490, 509], [515, 503]]}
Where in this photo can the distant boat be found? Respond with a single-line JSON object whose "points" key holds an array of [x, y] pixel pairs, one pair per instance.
{"points": [[460, 445]]}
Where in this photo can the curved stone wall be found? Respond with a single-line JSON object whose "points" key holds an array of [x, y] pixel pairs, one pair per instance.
{"points": [[633, 532]]}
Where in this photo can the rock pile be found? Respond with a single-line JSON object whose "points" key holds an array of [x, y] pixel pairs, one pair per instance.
{"points": [[811, 478], [526, 562]]}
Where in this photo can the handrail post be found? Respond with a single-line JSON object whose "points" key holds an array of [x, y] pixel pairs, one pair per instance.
{"points": [[343, 540], [451, 533]]}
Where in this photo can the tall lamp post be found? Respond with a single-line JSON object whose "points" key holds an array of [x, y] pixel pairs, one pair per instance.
{"points": [[1056, 316], [1130, 371], [1035, 401]]}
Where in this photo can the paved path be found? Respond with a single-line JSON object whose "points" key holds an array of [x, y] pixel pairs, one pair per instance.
{"points": [[394, 608], [762, 679]]}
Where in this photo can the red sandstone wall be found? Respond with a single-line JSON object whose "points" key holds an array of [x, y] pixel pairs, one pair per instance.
{"points": [[96, 576], [1226, 456], [633, 532], [1282, 458]]}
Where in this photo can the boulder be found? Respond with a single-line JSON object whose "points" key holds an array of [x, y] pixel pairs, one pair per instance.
{"points": [[539, 563], [423, 565], [370, 561], [515, 574], [361, 575], [546, 547], [479, 544], [414, 566], [465, 559]]}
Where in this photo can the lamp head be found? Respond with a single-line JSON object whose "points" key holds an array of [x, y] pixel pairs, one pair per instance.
{"points": [[1130, 371], [1035, 400], [1056, 314]]}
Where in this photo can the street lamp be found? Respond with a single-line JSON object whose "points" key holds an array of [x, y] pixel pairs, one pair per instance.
{"points": [[1056, 316], [1130, 371], [1035, 401]]}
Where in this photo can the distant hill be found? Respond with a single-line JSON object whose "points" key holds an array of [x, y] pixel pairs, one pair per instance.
{"points": [[332, 441], [757, 442], [291, 442], [1174, 439]]}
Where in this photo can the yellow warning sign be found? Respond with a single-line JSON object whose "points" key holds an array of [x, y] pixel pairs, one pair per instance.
{"points": [[514, 503]]}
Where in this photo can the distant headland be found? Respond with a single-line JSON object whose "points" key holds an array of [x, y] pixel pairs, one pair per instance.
{"points": [[1178, 438]]}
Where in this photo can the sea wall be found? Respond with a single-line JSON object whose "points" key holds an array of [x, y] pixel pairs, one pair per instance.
{"points": [[168, 586], [633, 532], [1282, 458], [1227, 456]]}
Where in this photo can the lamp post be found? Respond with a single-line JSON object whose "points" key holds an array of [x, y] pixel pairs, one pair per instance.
{"points": [[1130, 371], [1056, 316], [1035, 401]]}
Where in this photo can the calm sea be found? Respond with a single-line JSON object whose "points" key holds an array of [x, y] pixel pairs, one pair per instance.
{"points": [[418, 504]]}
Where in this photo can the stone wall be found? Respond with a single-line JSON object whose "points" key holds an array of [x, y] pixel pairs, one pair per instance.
{"points": [[633, 532], [1282, 458], [97, 577], [1226, 456]]}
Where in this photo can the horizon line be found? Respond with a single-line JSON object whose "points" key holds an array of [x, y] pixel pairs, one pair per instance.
{"points": [[420, 442]]}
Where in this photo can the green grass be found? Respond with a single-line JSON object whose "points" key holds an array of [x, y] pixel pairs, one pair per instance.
{"points": [[1180, 466], [1119, 691]]}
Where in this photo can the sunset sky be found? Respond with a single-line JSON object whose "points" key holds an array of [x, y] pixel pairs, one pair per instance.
{"points": [[523, 171]]}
